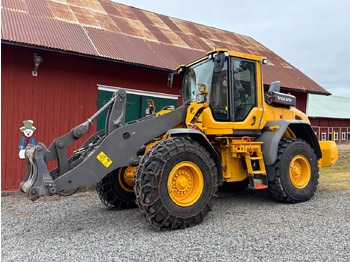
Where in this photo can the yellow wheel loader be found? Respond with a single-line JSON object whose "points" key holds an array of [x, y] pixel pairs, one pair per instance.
{"points": [[172, 162]]}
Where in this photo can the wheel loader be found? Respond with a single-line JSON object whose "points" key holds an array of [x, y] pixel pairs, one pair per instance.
{"points": [[171, 163]]}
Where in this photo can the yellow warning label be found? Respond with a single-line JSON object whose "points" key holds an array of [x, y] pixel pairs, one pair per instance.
{"points": [[104, 159]]}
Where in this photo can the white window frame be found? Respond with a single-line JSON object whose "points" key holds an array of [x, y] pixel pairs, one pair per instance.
{"points": [[138, 92], [324, 136], [336, 136], [343, 135]]}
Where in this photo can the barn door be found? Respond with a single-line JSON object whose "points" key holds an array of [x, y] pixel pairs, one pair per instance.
{"points": [[135, 105]]}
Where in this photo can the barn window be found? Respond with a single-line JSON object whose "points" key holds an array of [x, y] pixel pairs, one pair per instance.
{"points": [[343, 136], [348, 135], [330, 136], [323, 136], [336, 136]]}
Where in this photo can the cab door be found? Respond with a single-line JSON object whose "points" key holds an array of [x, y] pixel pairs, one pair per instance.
{"points": [[246, 109]]}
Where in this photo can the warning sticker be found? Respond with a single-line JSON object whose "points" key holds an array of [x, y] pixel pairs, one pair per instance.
{"points": [[104, 159]]}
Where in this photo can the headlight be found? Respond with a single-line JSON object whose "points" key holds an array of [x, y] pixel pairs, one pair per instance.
{"points": [[200, 98], [201, 88]]}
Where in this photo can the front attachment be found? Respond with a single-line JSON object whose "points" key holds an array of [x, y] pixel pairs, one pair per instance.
{"points": [[37, 181], [102, 153]]}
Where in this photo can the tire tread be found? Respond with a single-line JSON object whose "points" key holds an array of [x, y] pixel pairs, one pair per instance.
{"points": [[276, 188], [148, 178]]}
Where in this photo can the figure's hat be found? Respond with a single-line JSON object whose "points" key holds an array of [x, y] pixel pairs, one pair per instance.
{"points": [[28, 124]]}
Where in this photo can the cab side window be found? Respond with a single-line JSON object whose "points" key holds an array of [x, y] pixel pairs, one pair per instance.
{"points": [[218, 98], [244, 88]]}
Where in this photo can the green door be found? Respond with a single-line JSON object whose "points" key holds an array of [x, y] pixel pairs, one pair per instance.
{"points": [[103, 98], [135, 106]]}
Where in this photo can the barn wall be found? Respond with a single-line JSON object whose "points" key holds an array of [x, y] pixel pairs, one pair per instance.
{"points": [[301, 100], [63, 95], [133, 77], [47, 99], [329, 125]]}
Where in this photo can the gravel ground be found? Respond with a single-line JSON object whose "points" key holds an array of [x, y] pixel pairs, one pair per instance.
{"points": [[242, 226]]}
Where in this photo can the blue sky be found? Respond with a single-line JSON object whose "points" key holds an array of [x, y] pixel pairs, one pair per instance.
{"points": [[314, 36]]}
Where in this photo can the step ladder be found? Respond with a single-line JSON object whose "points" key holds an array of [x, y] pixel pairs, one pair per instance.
{"points": [[256, 170], [254, 161]]}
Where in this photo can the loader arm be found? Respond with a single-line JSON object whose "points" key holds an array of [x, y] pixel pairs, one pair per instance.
{"points": [[100, 155], [120, 147]]}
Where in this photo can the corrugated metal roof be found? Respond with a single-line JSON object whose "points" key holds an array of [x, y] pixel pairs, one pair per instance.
{"points": [[110, 30], [328, 107]]}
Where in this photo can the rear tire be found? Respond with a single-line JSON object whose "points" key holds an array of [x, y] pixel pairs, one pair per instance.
{"points": [[115, 191], [296, 172], [174, 184]]}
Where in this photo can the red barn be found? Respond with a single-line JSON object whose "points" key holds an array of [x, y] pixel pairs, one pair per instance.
{"points": [[330, 117], [90, 48]]}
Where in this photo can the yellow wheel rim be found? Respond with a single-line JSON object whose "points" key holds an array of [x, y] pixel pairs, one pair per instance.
{"points": [[185, 183], [126, 178], [300, 171]]}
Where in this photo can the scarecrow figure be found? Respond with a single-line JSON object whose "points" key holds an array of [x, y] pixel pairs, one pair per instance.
{"points": [[28, 129]]}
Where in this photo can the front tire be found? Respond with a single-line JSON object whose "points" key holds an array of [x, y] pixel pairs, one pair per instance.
{"points": [[296, 172], [174, 184]]}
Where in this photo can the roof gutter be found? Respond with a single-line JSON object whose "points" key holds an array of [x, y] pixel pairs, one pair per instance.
{"points": [[58, 51]]}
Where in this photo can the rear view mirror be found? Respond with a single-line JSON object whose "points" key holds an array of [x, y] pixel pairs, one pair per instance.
{"points": [[219, 61], [275, 86]]}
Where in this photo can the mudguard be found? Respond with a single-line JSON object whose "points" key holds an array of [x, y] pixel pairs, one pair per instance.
{"points": [[273, 132]]}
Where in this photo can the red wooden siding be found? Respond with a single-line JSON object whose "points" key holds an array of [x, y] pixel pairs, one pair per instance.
{"points": [[47, 99], [328, 126], [63, 95], [301, 100], [314, 121]]}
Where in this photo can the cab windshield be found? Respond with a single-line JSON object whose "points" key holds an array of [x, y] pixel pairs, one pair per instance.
{"points": [[216, 83]]}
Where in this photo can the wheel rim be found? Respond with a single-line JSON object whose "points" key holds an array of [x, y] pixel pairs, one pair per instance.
{"points": [[185, 183], [300, 171], [126, 178]]}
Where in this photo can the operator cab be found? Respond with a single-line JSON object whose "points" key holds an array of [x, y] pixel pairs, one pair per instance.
{"points": [[230, 82]]}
